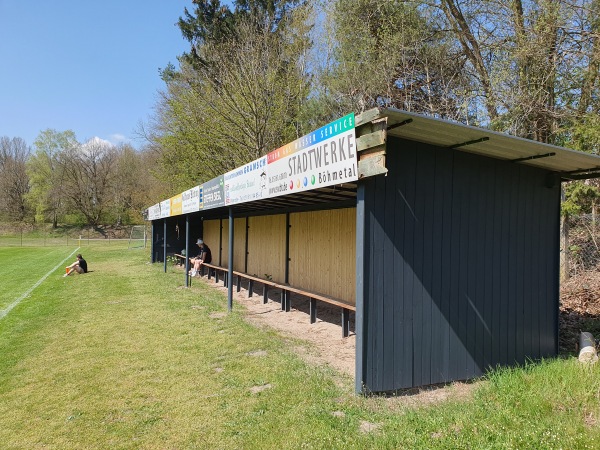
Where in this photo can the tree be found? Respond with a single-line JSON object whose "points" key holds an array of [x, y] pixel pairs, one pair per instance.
{"points": [[526, 67], [14, 182], [133, 185], [535, 62], [88, 171], [47, 193], [390, 54], [239, 92]]}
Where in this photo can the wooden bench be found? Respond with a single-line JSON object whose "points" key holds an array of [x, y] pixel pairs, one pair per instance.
{"points": [[286, 291], [314, 296], [215, 270], [181, 257], [286, 301]]}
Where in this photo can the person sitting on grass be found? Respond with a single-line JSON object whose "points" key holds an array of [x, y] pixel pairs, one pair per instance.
{"points": [[79, 266], [204, 256]]}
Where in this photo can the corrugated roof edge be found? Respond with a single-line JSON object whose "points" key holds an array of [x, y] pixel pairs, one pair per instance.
{"points": [[570, 164]]}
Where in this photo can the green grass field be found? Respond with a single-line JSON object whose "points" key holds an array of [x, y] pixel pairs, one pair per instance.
{"points": [[125, 357]]}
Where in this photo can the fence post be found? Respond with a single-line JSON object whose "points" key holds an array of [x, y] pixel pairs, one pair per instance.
{"points": [[564, 247], [564, 241]]}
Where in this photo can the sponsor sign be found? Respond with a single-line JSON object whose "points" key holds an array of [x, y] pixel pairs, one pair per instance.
{"points": [[246, 183], [213, 193], [190, 200], [325, 157], [175, 208], [154, 212], [165, 208]]}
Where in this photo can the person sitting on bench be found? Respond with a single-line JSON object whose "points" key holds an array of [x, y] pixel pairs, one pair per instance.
{"points": [[204, 256], [79, 266]]}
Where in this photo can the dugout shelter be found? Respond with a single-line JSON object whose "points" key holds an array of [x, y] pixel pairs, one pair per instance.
{"points": [[443, 238]]}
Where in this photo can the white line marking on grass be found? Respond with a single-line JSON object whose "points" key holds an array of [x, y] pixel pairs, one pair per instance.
{"points": [[4, 312]]}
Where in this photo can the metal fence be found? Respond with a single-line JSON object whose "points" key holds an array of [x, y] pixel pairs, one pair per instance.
{"points": [[580, 245], [32, 237]]}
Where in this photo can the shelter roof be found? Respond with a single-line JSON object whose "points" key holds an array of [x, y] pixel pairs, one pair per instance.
{"points": [[570, 164]]}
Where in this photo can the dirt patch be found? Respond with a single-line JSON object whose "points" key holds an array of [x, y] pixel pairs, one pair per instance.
{"points": [[579, 310], [257, 389], [217, 315], [328, 348], [257, 353], [368, 427]]}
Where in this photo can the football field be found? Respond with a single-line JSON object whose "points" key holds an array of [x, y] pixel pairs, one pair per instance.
{"points": [[24, 269]]}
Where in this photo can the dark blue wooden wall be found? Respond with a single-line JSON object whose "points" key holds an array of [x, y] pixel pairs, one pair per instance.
{"points": [[460, 262], [175, 240]]}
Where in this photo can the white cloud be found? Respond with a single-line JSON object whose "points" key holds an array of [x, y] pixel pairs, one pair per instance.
{"points": [[118, 138], [98, 142]]}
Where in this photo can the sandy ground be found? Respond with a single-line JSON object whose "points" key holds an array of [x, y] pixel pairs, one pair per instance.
{"points": [[327, 347]]}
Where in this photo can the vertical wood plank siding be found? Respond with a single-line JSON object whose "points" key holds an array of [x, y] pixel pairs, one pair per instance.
{"points": [[210, 235], [462, 267], [239, 243], [266, 246], [323, 252]]}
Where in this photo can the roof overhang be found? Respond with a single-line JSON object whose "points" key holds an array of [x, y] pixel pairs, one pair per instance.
{"points": [[376, 125], [570, 164]]}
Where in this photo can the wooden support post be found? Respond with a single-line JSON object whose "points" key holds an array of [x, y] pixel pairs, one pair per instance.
{"points": [[230, 262], [265, 294], [239, 283], [152, 249], [283, 300], [345, 322], [187, 251], [246, 246], [313, 310], [250, 286], [363, 265], [286, 275], [216, 276], [165, 245], [220, 241]]}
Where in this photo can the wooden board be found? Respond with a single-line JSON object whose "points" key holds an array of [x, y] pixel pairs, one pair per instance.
{"points": [[266, 247], [323, 252], [210, 236], [239, 246]]}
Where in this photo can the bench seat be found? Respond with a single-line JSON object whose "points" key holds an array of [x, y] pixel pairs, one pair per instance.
{"points": [[286, 291]]}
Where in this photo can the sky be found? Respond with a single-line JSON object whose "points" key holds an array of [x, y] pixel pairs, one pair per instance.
{"points": [[87, 66]]}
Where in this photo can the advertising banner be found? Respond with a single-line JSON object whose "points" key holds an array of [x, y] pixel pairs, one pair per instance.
{"points": [[165, 208], [325, 157], [154, 212], [212, 193], [322, 158], [175, 208], [190, 200], [246, 183]]}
